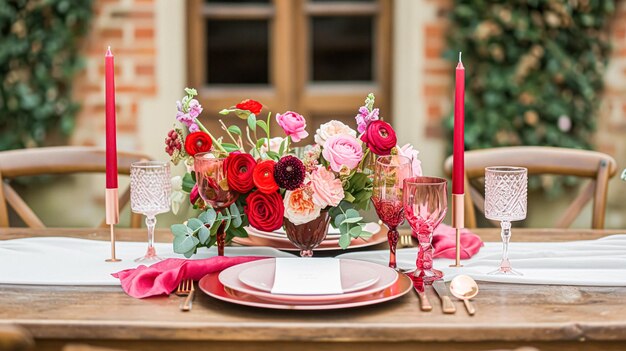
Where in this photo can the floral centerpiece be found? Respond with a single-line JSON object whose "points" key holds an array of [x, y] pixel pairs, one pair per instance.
{"points": [[269, 181]]}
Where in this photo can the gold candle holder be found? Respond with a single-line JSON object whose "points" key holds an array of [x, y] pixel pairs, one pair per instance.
{"points": [[458, 222], [112, 217]]}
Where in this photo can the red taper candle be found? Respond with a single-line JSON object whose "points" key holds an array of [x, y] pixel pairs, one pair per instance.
{"points": [[111, 144], [458, 165]]}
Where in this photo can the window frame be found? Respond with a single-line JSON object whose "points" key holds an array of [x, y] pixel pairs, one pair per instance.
{"points": [[290, 45]]}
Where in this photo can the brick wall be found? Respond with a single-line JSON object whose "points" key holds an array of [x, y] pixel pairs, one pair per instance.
{"points": [[128, 26]]}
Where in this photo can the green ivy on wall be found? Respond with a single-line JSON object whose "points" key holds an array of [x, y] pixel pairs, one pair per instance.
{"points": [[534, 70], [38, 61]]}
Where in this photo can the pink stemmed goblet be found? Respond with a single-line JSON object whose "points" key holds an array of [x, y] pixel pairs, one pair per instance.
{"points": [[213, 188], [389, 174], [425, 205], [150, 187]]}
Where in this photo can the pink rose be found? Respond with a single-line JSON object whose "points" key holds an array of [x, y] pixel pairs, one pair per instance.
{"points": [[408, 151], [342, 150], [327, 189], [293, 124]]}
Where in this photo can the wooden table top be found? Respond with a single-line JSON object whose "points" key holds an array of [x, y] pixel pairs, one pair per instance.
{"points": [[504, 312]]}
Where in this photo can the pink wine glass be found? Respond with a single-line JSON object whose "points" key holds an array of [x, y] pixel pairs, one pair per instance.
{"points": [[213, 189], [425, 205], [389, 174]]}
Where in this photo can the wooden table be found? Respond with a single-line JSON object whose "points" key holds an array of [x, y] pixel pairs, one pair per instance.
{"points": [[546, 317]]}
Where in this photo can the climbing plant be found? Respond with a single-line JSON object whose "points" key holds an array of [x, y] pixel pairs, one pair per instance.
{"points": [[38, 62], [534, 70]]}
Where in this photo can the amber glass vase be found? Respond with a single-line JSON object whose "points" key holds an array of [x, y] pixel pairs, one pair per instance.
{"points": [[308, 236]]}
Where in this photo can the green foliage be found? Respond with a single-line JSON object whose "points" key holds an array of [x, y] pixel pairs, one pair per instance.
{"points": [[348, 220], [38, 61], [202, 231], [528, 64]]}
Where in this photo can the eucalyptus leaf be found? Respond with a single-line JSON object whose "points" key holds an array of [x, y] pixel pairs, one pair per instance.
{"points": [[339, 219], [352, 220], [352, 213], [344, 241], [189, 253], [236, 216], [208, 216], [356, 231], [204, 234], [194, 224], [365, 234], [215, 227], [180, 230], [185, 243]]}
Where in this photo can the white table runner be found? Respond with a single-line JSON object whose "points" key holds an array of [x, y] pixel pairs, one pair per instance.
{"points": [[600, 262], [71, 261]]}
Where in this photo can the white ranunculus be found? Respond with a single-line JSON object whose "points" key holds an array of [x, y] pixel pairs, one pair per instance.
{"points": [[331, 128], [274, 145], [408, 151], [177, 196]]}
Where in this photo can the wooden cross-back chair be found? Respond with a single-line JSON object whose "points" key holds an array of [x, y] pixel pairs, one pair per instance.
{"points": [[596, 166], [55, 160]]}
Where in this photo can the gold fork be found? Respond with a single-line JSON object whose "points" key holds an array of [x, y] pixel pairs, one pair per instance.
{"points": [[185, 288], [406, 240]]}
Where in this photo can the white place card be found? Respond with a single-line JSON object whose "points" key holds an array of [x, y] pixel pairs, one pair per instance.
{"points": [[307, 276]]}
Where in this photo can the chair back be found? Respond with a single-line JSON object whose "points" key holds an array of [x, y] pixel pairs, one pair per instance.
{"points": [[14, 338], [595, 166], [55, 160]]}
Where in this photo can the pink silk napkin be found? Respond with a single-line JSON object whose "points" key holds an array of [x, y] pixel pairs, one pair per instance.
{"points": [[444, 242], [163, 277]]}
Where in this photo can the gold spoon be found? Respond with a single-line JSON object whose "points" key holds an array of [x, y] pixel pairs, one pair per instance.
{"points": [[464, 288]]}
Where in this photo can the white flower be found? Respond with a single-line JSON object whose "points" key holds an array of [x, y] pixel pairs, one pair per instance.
{"points": [[274, 145], [408, 151], [299, 207], [177, 196], [331, 128]]}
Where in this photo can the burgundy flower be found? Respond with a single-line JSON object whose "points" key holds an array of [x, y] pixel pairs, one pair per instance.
{"points": [[289, 172]]}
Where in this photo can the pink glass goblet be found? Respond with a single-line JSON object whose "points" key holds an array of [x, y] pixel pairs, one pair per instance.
{"points": [[213, 188], [425, 205], [389, 174]]}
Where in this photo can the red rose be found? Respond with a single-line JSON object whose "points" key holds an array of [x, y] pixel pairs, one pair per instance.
{"points": [[197, 142], [265, 211], [263, 177], [239, 168], [250, 105], [380, 137]]}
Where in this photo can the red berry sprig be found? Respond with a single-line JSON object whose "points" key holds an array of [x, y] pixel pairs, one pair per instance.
{"points": [[172, 142]]}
